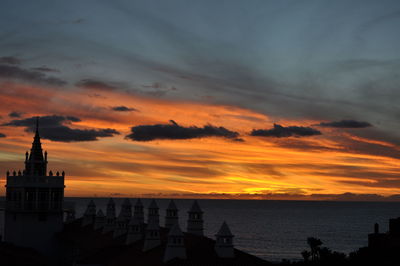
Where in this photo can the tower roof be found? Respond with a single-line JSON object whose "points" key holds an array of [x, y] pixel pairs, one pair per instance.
{"points": [[224, 230], [175, 230], [36, 150], [100, 213], [126, 202], [111, 202], [172, 206], [139, 203], [153, 204], [195, 207], [36, 163]]}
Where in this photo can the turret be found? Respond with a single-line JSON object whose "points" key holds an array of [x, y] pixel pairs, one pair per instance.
{"points": [[175, 245], [100, 220], [195, 221], [138, 212], [171, 216], [123, 219], [224, 242], [110, 217], [90, 214], [70, 216], [152, 237], [135, 231], [152, 233], [153, 216]]}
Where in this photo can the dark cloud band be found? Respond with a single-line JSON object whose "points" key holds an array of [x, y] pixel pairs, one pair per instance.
{"points": [[54, 128], [345, 124], [11, 60], [175, 131], [95, 84], [123, 109], [282, 132], [14, 72]]}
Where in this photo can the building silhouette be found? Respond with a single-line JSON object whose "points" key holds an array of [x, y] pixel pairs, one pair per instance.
{"points": [[37, 234], [34, 202]]}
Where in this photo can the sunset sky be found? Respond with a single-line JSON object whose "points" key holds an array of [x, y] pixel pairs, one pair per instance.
{"points": [[288, 99]]}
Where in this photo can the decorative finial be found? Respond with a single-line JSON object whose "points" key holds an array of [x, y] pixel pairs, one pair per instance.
{"points": [[37, 124]]}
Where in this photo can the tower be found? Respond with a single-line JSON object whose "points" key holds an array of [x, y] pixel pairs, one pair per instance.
{"points": [[100, 220], [171, 216], [195, 221], [121, 226], [34, 202], [153, 216], [152, 234], [138, 212], [136, 225], [110, 217], [175, 245], [224, 242], [90, 214]]}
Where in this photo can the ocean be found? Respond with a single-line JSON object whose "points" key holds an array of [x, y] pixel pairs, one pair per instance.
{"points": [[276, 230]]}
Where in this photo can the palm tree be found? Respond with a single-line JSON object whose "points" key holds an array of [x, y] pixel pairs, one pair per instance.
{"points": [[314, 244]]}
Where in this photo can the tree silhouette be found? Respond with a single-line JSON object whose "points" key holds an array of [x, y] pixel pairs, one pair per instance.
{"points": [[315, 245], [306, 255]]}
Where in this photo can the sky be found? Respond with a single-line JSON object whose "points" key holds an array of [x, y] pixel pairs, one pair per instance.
{"points": [[289, 99]]}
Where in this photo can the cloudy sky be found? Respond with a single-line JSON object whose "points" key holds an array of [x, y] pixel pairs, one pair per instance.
{"points": [[251, 99]]}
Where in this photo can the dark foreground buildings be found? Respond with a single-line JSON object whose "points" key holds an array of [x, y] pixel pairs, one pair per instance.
{"points": [[36, 233]]}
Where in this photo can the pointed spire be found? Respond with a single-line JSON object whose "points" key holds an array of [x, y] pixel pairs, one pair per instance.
{"points": [[195, 207], [153, 204], [90, 214], [35, 163], [37, 125], [224, 230], [100, 220], [175, 244], [224, 242], [175, 231], [110, 214], [153, 216], [172, 206], [171, 216], [138, 213], [138, 203], [195, 221], [100, 213]]}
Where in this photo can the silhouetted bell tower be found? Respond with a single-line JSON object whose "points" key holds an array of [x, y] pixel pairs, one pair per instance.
{"points": [[34, 202]]}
